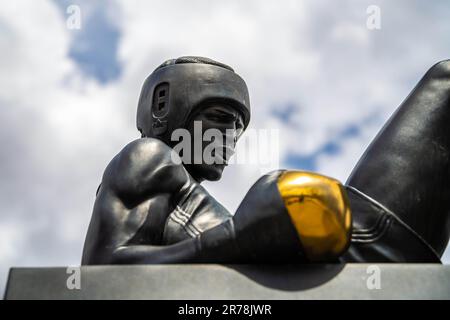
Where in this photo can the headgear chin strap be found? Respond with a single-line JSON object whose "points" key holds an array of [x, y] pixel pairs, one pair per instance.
{"points": [[172, 92]]}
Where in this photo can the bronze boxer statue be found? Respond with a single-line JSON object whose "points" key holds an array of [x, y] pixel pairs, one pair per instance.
{"points": [[151, 208]]}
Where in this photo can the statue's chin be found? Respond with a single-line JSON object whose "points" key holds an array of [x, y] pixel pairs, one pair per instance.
{"points": [[206, 172], [213, 173], [214, 177]]}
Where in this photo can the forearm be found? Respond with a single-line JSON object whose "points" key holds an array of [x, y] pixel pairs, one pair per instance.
{"points": [[217, 245], [181, 252]]}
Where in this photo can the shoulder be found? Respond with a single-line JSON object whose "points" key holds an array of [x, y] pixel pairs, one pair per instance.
{"points": [[143, 162], [145, 155], [146, 152]]}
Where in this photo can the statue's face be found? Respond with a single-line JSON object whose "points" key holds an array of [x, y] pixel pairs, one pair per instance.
{"points": [[229, 123]]}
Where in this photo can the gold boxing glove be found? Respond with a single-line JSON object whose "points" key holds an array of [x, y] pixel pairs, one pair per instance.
{"points": [[319, 209]]}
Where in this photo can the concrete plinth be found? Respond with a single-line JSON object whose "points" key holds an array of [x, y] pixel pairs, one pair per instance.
{"points": [[350, 281]]}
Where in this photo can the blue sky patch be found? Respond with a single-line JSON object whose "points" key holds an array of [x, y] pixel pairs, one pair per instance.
{"points": [[331, 147], [94, 47]]}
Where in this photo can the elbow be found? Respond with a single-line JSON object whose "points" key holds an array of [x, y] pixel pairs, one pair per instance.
{"points": [[440, 70]]}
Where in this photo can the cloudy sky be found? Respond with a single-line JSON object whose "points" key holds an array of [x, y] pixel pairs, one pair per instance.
{"points": [[68, 96]]}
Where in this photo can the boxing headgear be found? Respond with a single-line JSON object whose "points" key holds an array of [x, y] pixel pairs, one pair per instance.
{"points": [[180, 86]]}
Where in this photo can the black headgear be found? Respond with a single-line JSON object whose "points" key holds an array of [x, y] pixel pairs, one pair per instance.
{"points": [[179, 86]]}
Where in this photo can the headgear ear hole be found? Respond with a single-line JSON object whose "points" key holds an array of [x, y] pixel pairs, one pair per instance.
{"points": [[160, 101]]}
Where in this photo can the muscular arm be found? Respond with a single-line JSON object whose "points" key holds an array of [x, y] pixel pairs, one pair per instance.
{"points": [[142, 171]]}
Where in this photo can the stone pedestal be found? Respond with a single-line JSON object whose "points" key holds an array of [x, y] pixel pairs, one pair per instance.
{"points": [[350, 281]]}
